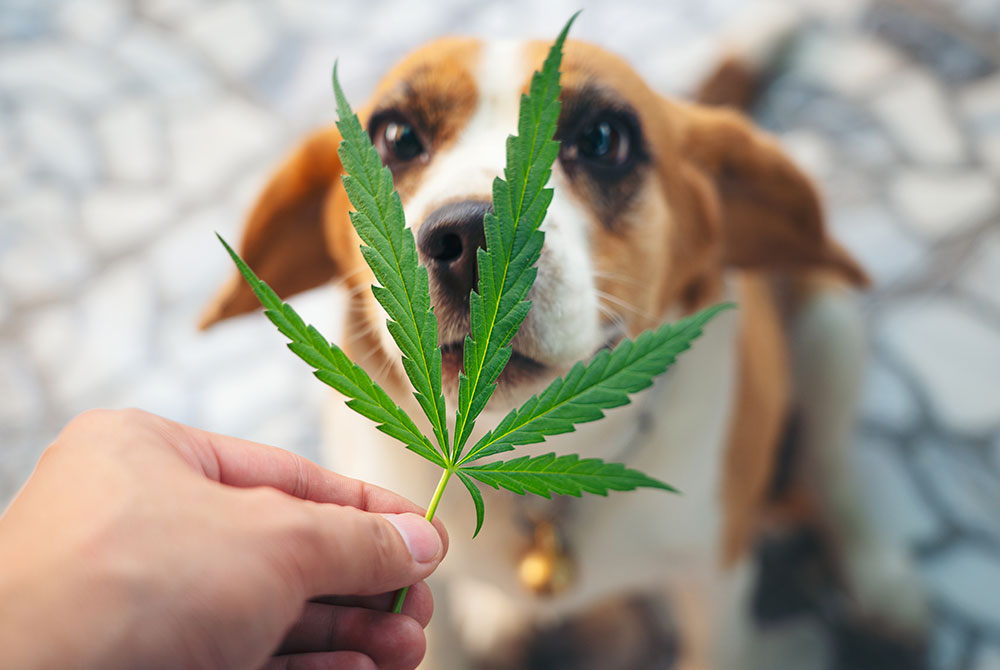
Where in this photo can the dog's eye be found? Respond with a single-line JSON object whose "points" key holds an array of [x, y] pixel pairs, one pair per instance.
{"points": [[401, 141], [605, 141]]}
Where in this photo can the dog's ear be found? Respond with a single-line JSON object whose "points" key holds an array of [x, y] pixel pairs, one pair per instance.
{"points": [[286, 236], [771, 213]]}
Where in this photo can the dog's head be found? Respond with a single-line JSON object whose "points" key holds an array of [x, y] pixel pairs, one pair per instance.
{"points": [[654, 200]]}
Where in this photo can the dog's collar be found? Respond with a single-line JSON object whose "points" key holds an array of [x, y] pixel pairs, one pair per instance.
{"points": [[547, 565]]}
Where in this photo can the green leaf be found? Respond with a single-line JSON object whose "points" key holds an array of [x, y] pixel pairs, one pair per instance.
{"points": [[333, 367], [513, 244], [477, 499], [588, 389], [392, 255], [565, 475]]}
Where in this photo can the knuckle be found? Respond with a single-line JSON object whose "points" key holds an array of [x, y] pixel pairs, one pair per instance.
{"points": [[385, 550]]}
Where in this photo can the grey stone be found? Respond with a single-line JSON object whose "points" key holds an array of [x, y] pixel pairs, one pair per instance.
{"points": [[158, 389], [84, 77], [131, 140], [212, 31], [306, 84], [95, 22], [313, 17], [201, 355], [171, 12], [40, 207], [987, 147], [947, 645], [954, 357], [963, 580], [187, 262], [117, 217], [944, 203], [988, 658], [17, 460], [13, 164], [116, 329], [295, 428], [868, 148], [886, 400], [930, 40], [214, 139], [981, 13], [24, 20], [57, 142], [161, 65], [914, 112], [970, 492], [876, 239], [23, 403], [891, 496], [51, 337], [250, 392], [810, 151], [981, 276], [801, 644], [980, 103], [40, 257], [678, 68], [836, 11], [851, 64]]}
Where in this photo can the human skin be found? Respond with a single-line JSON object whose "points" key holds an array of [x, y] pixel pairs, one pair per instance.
{"points": [[140, 542]]}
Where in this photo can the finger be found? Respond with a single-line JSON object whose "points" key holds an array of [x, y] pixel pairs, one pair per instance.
{"points": [[343, 550], [393, 641], [236, 462], [246, 464], [338, 660], [419, 603]]}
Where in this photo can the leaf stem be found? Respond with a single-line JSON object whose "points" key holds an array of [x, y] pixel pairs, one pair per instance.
{"points": [[397, 604]]}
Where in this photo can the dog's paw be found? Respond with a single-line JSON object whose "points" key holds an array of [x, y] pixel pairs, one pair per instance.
{"points": [[885, 588]]}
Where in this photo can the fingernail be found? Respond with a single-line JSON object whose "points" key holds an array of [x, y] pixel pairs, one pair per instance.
{"points": [[420, 536]]}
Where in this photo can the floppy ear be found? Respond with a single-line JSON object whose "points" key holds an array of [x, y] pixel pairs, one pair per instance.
{"points": [[285, 236], [771, 214]]}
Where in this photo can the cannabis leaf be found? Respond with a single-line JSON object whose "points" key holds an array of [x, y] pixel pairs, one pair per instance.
{"points": [[603, 383], [548, 474], [565, 475], [513, 244], [333, 367], [392, 255], [497, 309]]}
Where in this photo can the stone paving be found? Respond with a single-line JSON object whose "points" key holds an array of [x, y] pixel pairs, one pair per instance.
{"points": [[131, 131]]}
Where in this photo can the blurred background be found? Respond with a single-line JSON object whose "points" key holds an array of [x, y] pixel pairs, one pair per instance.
{"points": [[131, 130]]}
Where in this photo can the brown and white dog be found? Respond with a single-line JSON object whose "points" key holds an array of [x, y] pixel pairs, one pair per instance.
{"points": [[661, 207]]}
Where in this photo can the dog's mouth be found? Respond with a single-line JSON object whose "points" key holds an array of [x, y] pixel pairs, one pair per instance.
{"points": [[519, 369]]}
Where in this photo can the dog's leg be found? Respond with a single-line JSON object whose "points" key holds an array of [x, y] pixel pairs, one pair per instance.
{"points": [[829, 350], [692, 600], [713, 617], [735, 633]]}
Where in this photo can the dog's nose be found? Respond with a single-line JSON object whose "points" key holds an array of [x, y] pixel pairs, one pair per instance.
{"points": [[449, 239]]}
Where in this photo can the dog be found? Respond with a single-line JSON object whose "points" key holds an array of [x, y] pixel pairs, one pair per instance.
{"points": [[661, 207]]}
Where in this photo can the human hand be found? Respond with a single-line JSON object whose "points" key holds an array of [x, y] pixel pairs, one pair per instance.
{"points": [[142, 542]]}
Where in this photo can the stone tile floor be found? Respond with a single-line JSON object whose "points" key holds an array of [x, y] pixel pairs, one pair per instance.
{"points": [[131, 130]]}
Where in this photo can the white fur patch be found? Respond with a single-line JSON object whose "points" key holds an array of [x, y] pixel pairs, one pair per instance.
{"points": [[563, 325], [468, 167]]}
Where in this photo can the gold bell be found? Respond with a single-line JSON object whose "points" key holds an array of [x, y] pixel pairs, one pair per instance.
{"points": [[546, 568]]}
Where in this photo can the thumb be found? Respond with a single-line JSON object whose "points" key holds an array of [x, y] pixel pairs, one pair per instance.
{"points": [[363, 553]]}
